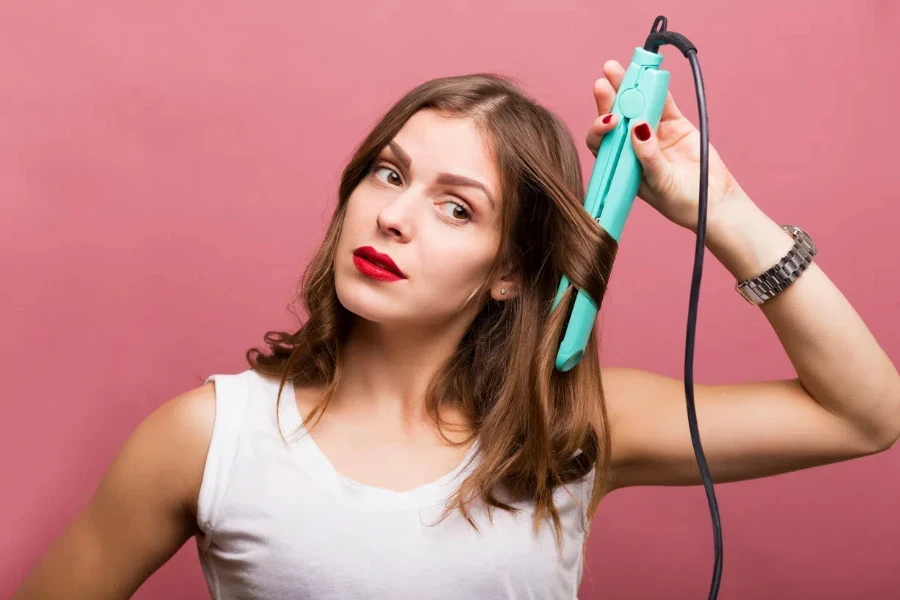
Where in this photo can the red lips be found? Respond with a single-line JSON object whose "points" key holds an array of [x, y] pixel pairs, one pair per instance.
{"points": [[382, 260]]}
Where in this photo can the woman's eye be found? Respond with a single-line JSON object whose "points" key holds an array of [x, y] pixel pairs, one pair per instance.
{"points": [[389, 170], [457, 211]]}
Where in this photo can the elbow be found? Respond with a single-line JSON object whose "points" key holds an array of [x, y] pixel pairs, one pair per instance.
{"points": [[892, 435], [887, 431], [888, 435], [889, 439]]}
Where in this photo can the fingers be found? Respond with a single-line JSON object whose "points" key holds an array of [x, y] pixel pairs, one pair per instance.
{"points": [[605, 87], [605, 95], [670, 110], [646, 149], [597, 130], [605, 90], [614, 72]]}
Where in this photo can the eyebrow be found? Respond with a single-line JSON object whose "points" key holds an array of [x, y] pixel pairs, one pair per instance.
{"points": [[442, 178]]}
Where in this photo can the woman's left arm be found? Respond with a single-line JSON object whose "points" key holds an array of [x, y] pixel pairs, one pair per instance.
{"points": [[845, 401], [844, 404], [838, 361]]}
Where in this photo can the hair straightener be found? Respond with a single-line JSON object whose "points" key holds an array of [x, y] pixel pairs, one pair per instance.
{"points": [[610, 195]]}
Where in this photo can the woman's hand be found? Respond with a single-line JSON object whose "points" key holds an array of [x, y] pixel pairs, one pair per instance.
{"points": [[670, 158]]}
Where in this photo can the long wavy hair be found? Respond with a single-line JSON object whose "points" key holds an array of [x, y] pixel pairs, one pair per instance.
{"points": [[537, 428]]}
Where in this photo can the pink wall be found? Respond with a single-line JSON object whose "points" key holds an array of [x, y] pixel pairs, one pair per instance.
{"points": [[166, 170]]}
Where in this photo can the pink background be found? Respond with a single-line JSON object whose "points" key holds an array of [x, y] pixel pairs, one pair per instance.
{"points": [[167, 168]]}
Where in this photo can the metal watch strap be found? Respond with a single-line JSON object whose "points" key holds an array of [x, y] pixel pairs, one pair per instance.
{"points": [[766, 285]]}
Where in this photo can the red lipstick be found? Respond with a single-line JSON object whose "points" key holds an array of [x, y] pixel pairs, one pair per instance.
{"points": [[376, 265]]}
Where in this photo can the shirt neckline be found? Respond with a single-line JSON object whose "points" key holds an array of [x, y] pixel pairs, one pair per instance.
{"points": [[305, 449]]}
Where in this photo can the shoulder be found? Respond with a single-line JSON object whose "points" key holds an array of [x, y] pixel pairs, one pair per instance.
{"points": [[192, 412], [188, 417], [158, 470], [175, 439]]}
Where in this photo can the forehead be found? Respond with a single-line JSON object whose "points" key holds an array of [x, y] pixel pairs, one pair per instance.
{"points": [[437, 143]]}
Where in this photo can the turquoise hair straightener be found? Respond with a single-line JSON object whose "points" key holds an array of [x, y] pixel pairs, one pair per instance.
{"points": [[610, 195], [614, 183]]}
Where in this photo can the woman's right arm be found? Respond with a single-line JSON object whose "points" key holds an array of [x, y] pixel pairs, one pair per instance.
{"points": [[142, 512]]}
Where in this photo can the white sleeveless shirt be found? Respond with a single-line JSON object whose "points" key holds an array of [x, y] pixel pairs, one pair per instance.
{"points": [[278, 522]]}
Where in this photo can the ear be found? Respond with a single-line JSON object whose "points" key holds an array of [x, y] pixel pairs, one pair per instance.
{"points": [[507, 286]]}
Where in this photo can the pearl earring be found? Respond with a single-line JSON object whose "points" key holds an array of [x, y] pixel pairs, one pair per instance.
{"points": [[502, 290]]}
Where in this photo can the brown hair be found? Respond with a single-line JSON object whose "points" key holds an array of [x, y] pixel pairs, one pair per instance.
{"points": [[537, 428]]}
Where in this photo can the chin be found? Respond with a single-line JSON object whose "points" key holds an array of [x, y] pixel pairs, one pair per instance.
{"points": [[368, 301]]}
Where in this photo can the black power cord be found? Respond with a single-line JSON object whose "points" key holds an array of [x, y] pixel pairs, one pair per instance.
{"points": [[660, 37]]}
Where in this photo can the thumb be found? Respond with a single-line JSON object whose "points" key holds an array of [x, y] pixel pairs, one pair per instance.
{"points": [[646, 148]]}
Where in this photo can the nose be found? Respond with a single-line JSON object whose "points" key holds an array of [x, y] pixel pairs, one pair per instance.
{"points": [[398, 215]]}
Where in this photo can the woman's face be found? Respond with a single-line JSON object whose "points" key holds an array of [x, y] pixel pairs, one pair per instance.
{"points": [[415, 206]]}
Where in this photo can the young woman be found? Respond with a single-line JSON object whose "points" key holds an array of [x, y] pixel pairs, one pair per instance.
{"points": [[412, 439]]}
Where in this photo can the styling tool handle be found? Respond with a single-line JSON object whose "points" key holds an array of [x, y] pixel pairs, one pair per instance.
{"points": [[614, 183]]}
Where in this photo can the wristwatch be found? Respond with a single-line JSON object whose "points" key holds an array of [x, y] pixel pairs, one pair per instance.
{"points": [[762, 287]]}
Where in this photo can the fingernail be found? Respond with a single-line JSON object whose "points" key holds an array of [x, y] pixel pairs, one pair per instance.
{"points": [[607, 119], [643, 132]]}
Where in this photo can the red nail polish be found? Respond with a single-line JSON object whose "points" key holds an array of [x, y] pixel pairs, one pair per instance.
{"points": [[643, 132], [607, 119]]}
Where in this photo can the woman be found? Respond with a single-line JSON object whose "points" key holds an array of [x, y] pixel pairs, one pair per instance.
{"points": [[412, 439]]}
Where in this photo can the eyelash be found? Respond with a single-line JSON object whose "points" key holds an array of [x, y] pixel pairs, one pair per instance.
{"points": [[389, 167]]}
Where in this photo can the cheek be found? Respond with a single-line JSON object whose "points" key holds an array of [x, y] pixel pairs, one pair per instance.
{"points": [[354, 212], [455, 267], [359, 223]]}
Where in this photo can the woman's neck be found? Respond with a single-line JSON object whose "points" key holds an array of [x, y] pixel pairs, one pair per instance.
{"points": [[385, 375]]}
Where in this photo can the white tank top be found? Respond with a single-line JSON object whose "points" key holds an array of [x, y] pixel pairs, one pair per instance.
{"points": [[279, 522]]}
